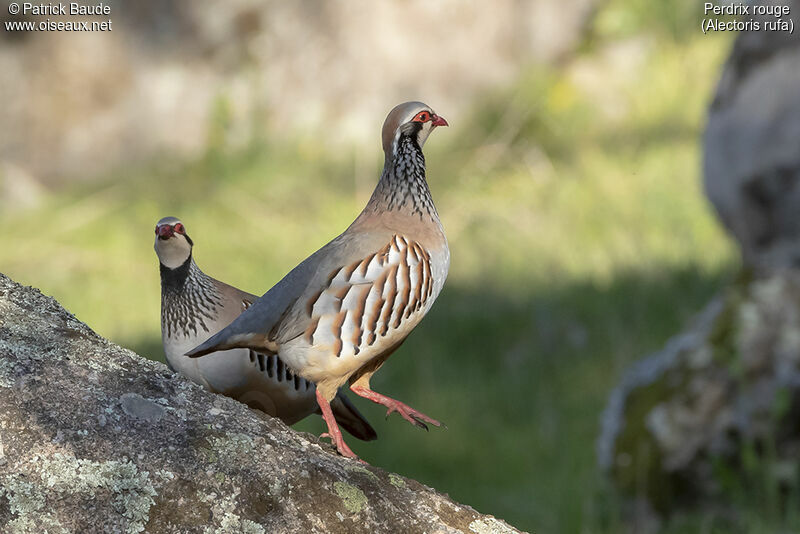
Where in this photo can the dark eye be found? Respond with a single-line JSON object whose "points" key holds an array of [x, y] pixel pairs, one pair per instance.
{"points": [[179, 228], [156, 230]]}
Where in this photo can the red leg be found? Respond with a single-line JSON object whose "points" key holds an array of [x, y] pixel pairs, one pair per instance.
{"points": [[333, 428], [409, 414]]}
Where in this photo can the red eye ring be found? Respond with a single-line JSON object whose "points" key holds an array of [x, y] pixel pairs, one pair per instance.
{"points": [[422, 116], [179, 228]]}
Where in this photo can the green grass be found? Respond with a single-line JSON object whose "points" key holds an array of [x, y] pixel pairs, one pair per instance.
{"points": [[580, 242]]}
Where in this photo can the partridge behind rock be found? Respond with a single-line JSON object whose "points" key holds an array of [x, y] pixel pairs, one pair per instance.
{"points": [[194, 306], [338, 316]]}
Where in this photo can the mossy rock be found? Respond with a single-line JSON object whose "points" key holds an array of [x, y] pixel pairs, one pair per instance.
{"points": [[675, 428]]}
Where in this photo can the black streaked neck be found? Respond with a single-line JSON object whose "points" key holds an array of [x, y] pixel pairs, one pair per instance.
{"points": [[189, 299], [174, 279], [402, 186]]}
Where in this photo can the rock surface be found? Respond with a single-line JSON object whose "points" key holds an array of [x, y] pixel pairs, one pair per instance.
{"points": [[713, 415], [94, 438], [678, 428], [751, 151]]}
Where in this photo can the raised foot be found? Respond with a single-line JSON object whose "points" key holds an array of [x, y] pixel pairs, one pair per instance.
{"points": [[408, 413]]}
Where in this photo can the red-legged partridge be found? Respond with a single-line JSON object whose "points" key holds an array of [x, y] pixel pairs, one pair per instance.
{"points": [[338, 316], [194, 306]]}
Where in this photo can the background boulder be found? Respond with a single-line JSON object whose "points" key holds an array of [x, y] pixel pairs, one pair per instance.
{"points": [[752, 145], [710, 420], [719, 404]]}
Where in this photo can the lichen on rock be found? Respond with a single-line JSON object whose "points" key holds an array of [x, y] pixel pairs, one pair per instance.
{"points": [[732, 379], [352, 497], [94, 438]]}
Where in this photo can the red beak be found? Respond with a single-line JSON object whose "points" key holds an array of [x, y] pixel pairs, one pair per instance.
{"points": [[165, 231], [439, 121]]}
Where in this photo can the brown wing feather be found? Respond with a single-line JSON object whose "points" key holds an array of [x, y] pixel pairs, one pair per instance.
{"points": [[367, 299]]}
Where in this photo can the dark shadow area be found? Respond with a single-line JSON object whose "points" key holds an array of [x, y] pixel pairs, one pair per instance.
{"points": [[521, 380]]}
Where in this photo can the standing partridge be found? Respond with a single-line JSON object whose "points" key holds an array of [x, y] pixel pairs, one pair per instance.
{"points": [[338, 316], [194, 306]]}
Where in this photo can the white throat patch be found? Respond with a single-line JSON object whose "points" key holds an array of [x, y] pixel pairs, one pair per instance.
{"points": [[172, 252]]}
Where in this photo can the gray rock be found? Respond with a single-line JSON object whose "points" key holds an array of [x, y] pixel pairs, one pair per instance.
{"points": [[138, 407], [675, 429], [696, 423], [94, 438], [752, 145]]}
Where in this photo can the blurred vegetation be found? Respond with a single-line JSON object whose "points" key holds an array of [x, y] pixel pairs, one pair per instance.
{"points": [[580, 241]]}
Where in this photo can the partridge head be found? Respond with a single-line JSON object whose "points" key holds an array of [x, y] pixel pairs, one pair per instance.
{"points": [[336, 317], [194, 306]]}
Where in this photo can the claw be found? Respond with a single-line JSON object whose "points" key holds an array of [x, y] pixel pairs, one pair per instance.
{"points": [[420, 424], [408, 413]]}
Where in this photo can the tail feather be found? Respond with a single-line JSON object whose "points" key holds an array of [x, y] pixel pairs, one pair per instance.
{"points": [[223, 340], [349, 418]]}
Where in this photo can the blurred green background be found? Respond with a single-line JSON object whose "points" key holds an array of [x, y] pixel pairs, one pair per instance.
{"points": [[580, 242]]}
